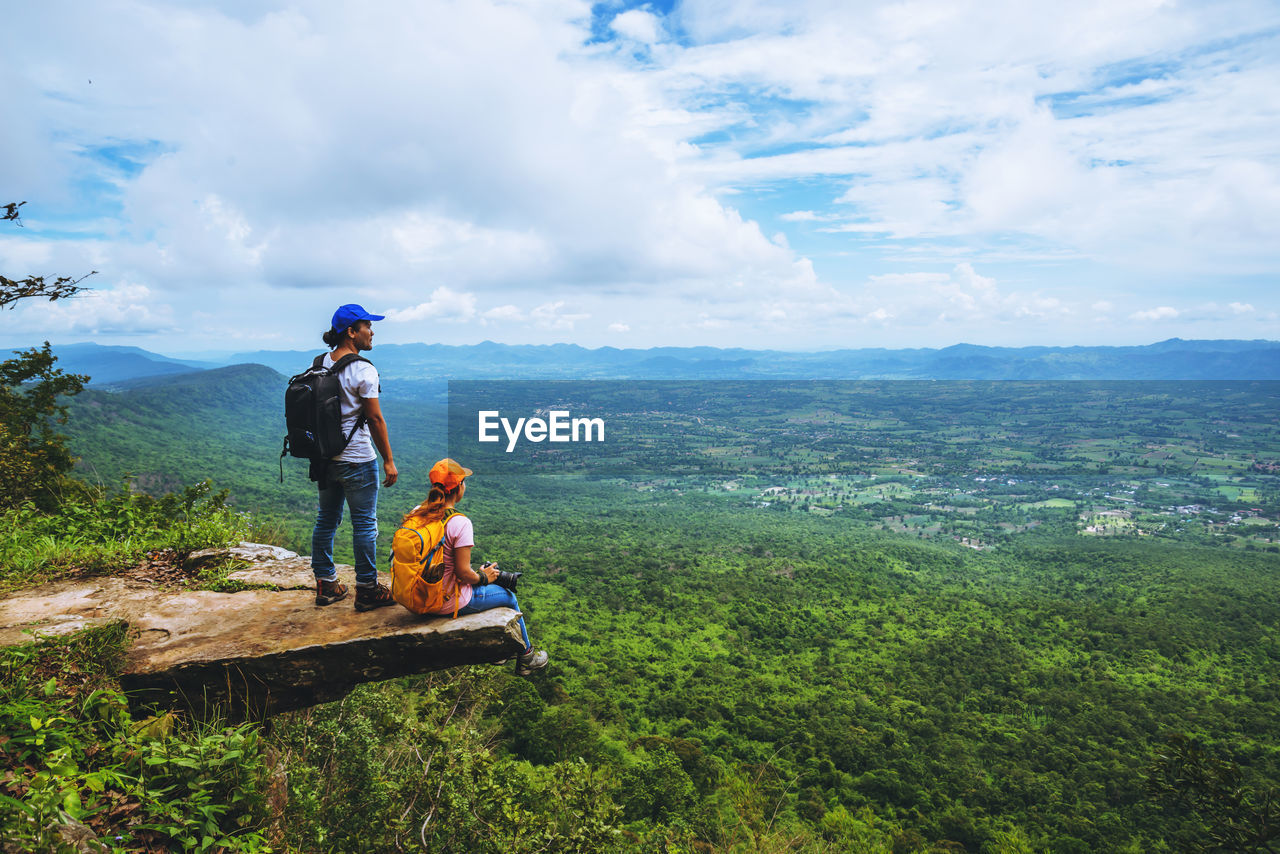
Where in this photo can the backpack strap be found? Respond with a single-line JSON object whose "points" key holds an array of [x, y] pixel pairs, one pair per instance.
{"points": [[338, 367], [448, 514], [341, 363], [457, 594]]}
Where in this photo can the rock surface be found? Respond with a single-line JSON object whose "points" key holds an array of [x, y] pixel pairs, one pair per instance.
{"points": [[253, 552], [256, 652]]}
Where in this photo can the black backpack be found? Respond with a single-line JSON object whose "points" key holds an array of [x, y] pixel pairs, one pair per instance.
{"points": [[313, 412]]}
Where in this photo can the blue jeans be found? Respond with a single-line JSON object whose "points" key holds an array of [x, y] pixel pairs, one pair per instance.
{"points": [[489, 596], [357, 484]]}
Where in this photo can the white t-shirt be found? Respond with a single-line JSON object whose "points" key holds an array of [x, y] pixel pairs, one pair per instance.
{"points": [[359, 381]]}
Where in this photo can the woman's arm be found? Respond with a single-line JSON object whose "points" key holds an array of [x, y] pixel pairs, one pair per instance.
{"points": [[462, 567]]}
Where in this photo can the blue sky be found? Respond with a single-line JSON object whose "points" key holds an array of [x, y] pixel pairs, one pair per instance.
{"points": [[791, 175]]}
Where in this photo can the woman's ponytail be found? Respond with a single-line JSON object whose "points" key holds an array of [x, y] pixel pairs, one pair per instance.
{"points": [[433, 508]]}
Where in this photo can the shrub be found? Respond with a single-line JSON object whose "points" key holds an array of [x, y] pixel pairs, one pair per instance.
{"points": [[94, 531], [78, 773]]}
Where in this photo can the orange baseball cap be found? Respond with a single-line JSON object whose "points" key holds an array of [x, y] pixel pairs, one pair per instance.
{"points": [[448, 474]]}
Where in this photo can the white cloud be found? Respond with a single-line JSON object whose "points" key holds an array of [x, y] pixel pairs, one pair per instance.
{"points": [[638, 25], [960, 298], [24, 257], [979, 120], [503, 313], [125, 309], [1213, 311], [1094, 158], [801, 216], [444, 304], [551, 315], [619, 328], [479, 142], [1157, 314]]}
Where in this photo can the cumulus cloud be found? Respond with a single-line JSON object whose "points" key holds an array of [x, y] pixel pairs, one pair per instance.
{"points": [[126, 309], [801, 216], [996, 119], [1157, 314], [444, 304], [962, 296], [503, 313], [638, 25], [24, 257], [552, 315], [535, 156], [1218, 312], [483, 142]]}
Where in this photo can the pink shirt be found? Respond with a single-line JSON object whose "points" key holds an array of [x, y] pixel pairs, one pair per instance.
{"points": [[458, 533]]}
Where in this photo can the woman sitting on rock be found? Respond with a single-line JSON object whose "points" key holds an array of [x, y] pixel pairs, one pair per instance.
{"points": [[467, 589]]}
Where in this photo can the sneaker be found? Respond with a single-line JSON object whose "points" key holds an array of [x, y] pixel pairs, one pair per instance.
{"points": [[527, 662], [328, 592], [377, 596]]}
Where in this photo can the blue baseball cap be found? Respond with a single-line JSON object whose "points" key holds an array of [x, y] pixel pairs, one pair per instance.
{"points": [[350, 315]]}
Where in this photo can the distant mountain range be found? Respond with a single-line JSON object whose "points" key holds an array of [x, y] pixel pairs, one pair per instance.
{"points": [[109, 365], [1174, 359]]}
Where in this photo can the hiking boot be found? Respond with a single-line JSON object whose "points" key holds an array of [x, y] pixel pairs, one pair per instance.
{"points": [[531, 660], [377, 596], [328, 592]]}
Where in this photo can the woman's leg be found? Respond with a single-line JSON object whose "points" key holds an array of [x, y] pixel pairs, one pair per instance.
{"points": [[486, 597]]}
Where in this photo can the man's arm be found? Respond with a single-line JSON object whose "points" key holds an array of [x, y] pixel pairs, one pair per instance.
{"points": [[378, 432]]}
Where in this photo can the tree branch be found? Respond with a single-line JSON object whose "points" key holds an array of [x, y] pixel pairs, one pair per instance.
{"points": [[35, 286]]}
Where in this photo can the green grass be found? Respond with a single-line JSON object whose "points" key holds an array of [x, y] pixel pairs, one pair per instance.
{"points": [[1061, 503], [95, 532]]}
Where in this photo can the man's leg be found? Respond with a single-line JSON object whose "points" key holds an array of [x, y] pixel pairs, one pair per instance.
{"points": [[360, 482], [328, 515]]}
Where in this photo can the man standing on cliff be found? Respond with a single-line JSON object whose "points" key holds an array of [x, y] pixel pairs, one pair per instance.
{"points": [[352, 476]]}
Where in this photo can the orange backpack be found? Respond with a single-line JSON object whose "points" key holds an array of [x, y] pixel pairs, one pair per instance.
{"points": [[417, 569]]}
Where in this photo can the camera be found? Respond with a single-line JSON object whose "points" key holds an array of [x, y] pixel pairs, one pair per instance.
{"points": [[505, 579]]}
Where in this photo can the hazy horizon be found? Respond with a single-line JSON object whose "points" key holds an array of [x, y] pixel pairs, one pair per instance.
{"points": [[198, 355]]}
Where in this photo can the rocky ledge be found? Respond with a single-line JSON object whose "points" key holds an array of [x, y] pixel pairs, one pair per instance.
{"points": [[256, 652]]}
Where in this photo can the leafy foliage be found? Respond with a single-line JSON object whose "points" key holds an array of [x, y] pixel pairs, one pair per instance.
{"points": [[1232, 815], [96, 531], [33, 456], [732, 678], [395, 765], [77, 773]]}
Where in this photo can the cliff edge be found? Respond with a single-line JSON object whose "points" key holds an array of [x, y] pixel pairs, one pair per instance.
{"points": [[259, 651]]}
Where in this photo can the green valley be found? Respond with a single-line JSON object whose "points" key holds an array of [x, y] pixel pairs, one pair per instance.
{"points": [[885, 616]]}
